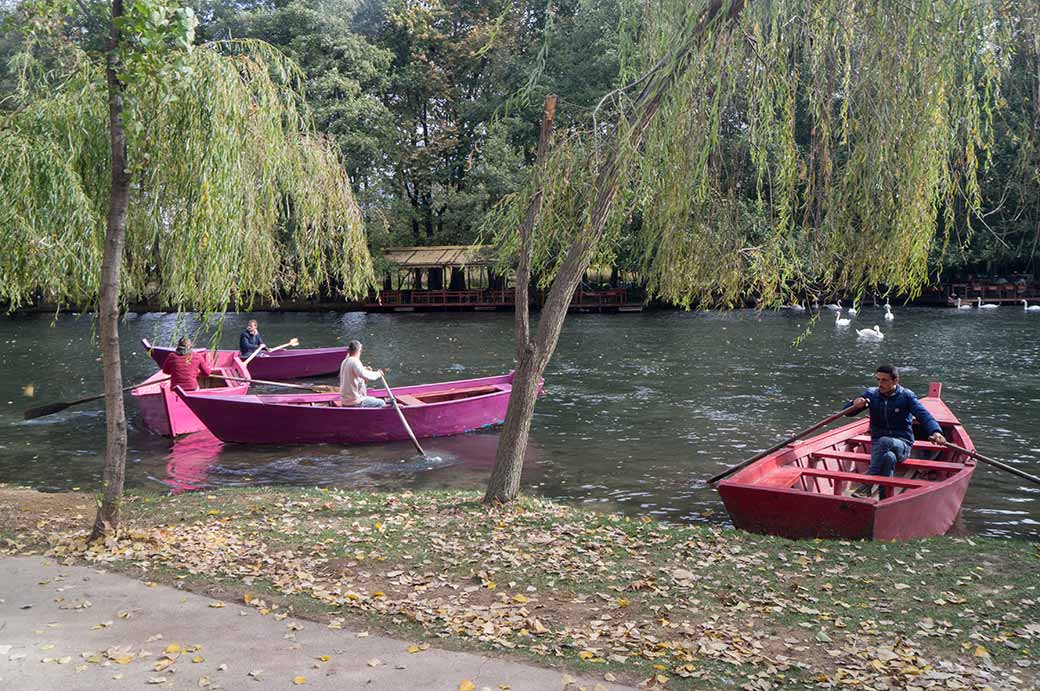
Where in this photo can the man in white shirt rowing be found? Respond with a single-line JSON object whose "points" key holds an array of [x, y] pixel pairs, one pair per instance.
{"points": [[353, 378]]}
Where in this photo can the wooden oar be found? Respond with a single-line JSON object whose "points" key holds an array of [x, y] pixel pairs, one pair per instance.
{"points": [[292, 342], [826, 421], [995, 464], [393, 400], [317, 388], [52, 408]]}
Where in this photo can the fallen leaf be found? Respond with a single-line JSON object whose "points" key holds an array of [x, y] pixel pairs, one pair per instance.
{"points": [[300, 680], [467, 685]]}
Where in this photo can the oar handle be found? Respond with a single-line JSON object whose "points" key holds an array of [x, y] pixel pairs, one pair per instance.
{"points": [[743, 464], [292, 342], [404, 421], [996, 464]]}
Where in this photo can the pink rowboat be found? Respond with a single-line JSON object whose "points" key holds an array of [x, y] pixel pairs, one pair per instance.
{"points": [[282, 364], [432, 410], [803, 490], [162, 412]]}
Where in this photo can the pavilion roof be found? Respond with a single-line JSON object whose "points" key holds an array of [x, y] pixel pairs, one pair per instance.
{"points": [[440, 256]]}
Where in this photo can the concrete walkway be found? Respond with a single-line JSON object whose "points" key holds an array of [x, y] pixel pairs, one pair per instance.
{"points": [[67, 628]]}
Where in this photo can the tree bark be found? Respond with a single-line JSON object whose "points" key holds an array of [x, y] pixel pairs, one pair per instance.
{"points": [[107, 520], [504, 485]]}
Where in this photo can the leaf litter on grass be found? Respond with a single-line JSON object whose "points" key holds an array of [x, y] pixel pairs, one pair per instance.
{"points": [[670, 605]]}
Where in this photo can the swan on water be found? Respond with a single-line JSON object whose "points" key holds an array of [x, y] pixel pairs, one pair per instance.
{"points": [[1030, 308], [871, 334], [962, 307], [795, 307], [888, 313], [987, 306], [841, 321], [835, 306], [852, 311]]}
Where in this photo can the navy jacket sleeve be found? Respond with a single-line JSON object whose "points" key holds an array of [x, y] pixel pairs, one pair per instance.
{"points": [[865, 394], [931, 426], [243, 343]]}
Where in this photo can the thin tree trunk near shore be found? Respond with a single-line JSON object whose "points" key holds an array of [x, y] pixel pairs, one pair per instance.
{"points": [[533, 356], [107, 520]]}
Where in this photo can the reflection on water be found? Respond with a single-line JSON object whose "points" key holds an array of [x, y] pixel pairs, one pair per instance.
{"points": [[638, 410]]}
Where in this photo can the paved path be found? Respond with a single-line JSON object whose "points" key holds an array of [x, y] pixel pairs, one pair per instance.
{"points": [[57, 622]]}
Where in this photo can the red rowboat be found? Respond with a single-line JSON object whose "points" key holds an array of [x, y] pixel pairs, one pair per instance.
{"points": [[162, 412], [281, 364], [432, 410], [803, 490]]}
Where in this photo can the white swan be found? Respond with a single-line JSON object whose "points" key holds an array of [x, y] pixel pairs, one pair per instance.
{"points": [[795, 307], [888, 313], [962, 307], [1030, 308], [987, 306], [841, 321], [871, 334], [852, 311], [835, 306]]}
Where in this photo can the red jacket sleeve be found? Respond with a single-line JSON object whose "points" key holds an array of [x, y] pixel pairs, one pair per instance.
{"points": [[204, 365]]}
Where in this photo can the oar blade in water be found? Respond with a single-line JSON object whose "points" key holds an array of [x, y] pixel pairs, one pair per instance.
{"points": [[43, 410]]}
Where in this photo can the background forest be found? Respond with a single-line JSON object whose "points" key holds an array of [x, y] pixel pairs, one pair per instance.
{"points": [[435, 107]]}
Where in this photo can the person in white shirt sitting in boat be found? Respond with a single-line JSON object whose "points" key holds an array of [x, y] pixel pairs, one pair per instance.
{"points": [[892, 410], [353, 378]]}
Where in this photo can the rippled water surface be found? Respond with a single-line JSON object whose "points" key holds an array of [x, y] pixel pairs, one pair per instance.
{"points": [[639, 408]]}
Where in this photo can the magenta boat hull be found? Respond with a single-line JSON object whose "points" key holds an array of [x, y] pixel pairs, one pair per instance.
{"points": [[283, 364], [292, 419], [162, 412]]}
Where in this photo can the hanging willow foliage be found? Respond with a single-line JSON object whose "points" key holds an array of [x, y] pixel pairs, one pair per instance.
{"points": [[799, 146], [233, 196]]}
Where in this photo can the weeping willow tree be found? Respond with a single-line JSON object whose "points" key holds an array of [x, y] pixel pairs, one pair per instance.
{"points": [[148, 169], [767, 149]]}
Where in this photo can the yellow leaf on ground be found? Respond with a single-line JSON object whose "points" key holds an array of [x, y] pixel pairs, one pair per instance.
{"points": [[466, 685], [324, 658], [299, 680], [980, 651], [197, 659], [216, 605], [413, 648], [520, 598], [172, 649]]}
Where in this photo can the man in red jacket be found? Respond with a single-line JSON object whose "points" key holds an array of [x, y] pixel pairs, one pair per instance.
{"points": [[184, 366]]}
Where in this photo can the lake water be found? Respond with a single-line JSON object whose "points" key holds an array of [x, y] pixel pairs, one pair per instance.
{"points": [[639, 408]]}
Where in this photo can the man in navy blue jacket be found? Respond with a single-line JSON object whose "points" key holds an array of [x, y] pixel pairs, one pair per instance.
{"points": [[892, 409], [250, 341]]}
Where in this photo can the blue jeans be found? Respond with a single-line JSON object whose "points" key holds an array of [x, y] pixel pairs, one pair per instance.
{"points": [[885, 452]]}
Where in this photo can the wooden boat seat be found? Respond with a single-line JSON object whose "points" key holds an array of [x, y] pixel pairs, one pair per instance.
{"points": [[861, 477], [781, 477], [908, 464], [918, 445], [406, 399]]}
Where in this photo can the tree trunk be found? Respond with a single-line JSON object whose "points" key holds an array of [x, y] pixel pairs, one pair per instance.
{"points": [[504, 485], [107, 520]]}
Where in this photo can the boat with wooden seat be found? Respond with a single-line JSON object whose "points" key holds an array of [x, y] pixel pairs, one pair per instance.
{"points": [[804, 490], [280, 364], [432, 410], [161, 411]]}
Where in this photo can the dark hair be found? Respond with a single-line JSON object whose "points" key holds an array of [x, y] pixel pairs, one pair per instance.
{"points": [[353, 347], [889, 370], [182, 346]]}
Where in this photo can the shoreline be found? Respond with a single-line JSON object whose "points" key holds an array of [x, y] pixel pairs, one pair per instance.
{"points": [[675, 606]]}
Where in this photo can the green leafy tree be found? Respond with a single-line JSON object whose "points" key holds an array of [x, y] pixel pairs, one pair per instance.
{"points": [[898, 109], [217, 191]]}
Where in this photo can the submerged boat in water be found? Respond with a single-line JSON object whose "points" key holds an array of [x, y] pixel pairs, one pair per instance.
{"points": [[432, 410], [160, 409], [281, 364], [803, 490]]}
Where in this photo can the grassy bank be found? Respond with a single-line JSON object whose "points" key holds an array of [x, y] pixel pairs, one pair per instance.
{"points": [[635, 600]]}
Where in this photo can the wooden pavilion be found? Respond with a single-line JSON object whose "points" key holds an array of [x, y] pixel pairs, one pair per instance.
{"points": [[464, 277]]}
